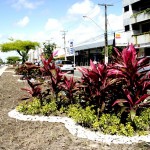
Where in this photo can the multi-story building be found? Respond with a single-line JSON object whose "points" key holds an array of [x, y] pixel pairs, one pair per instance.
{"points": [[136, 22]]}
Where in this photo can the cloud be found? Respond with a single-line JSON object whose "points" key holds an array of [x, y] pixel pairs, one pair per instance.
{"points": [[17, 36], [79, 29], [23, 22], [92, 27], [19, 4], [115, 22], [53, 24], [82, 8]]}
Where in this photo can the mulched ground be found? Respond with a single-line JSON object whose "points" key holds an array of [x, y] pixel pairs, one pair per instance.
{"points": [[27, 135]]}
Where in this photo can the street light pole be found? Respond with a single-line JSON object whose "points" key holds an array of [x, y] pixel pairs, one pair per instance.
{"points": [[64, 37], [93, 21]]}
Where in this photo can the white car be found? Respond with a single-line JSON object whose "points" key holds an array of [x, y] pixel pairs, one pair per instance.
{"points": [[65, 65]]}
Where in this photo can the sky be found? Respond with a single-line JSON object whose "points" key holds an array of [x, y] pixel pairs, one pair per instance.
{"points": [[45, 20]]}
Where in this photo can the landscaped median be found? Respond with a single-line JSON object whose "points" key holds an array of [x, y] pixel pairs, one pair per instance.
{"points": [[109, 103]]}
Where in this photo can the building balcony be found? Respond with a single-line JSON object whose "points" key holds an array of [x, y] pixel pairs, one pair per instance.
{"points": [[141, 39], [140, 16]]}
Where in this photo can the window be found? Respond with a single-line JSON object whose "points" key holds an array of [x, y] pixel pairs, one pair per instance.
{"points": [[127, 28], [126, 8], [147, 51], [146, 27], [135, 27]]}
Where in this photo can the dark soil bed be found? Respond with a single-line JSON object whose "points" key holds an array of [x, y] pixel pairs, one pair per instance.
{"points": [[26, 135]]}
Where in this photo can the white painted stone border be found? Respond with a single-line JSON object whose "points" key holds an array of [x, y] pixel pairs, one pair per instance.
{"points": [[79, 131]]}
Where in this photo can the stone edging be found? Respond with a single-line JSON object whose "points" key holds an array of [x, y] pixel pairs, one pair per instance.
{"points": [[79, 131]]}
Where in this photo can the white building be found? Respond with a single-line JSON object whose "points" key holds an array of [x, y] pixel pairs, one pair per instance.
{"points": [[34, 55], [137, 24]]}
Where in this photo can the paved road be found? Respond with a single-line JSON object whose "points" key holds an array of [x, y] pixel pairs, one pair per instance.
{"points": [[77, 74]]}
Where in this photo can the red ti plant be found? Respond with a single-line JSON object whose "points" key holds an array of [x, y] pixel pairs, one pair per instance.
{"points": [[28, 70], [70, 87], [96, 85], [52, 73], [34, 90], [131, 69]]}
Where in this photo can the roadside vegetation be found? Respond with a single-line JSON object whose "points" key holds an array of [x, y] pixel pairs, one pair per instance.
{"points": [[111, 99]]}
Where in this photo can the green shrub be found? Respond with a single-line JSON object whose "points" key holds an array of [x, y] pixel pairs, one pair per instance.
{"points": [[126, 130], [22, 107], [34, 107], [63, 109], [49, 108], [107, 123], [86, 117], [142, 122], [30, 107], [111, 124]]}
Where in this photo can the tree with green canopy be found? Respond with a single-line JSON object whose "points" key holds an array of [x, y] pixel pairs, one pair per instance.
{"points": [[22, 47], [48, 49], [13, 59]]}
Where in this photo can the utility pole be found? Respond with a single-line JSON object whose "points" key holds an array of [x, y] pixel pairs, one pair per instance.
{"points": [[106, 38], [64, 37]]}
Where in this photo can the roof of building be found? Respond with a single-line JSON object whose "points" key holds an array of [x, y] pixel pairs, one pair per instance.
{"points": [[92, 45]]}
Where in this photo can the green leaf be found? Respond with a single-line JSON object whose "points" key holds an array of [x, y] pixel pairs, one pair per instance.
{"points": [[132, 114]]}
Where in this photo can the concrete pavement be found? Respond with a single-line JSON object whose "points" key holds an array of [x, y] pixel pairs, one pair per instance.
{"points": [[2, 69]]}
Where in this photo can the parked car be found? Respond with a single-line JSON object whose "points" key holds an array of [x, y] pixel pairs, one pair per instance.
{"points": [[65, 65]]}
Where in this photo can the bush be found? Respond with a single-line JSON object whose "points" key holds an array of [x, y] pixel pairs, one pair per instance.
{"points": [[142, 122], [35, 107], [126, 130], [86, 117], [30, 107], [49, 108]]}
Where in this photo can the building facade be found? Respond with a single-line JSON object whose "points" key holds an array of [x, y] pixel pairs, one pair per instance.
{"points": [[90, 51], [136, 20]]}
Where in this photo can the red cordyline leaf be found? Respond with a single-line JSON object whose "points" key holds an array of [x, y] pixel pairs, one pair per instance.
{"points": [[120, 102], [52, 56], [101, 68], [55, 53], [118, 52], [133, 54], [128, 96], [143, 62], [142, 98], [69, 84], [129, 56], [93, 76], [119, 65], [146, 85], [29, 90], [125, 55], [112, 72], [83, 70], [93, 66]]}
